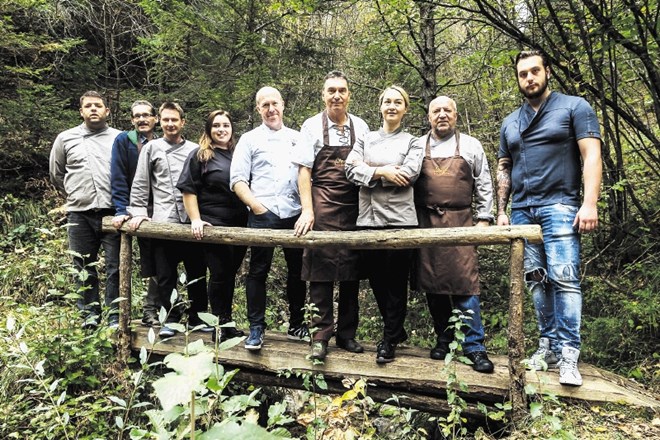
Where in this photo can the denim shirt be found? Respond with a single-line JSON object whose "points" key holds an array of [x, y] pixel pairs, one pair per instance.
{"points": [[546, 165]]}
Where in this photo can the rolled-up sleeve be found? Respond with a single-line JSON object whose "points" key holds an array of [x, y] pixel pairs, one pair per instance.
{"points": [[304, 152], [241, 164]]}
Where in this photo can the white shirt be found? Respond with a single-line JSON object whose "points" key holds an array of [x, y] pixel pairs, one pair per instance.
{"points": [[263, 159], [311, 137]]}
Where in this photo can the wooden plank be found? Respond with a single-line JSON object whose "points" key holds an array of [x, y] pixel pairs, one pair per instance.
{"points": [[365, 239], [412, 374]]}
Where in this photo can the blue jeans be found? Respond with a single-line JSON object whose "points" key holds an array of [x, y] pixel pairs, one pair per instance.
{"points": [[260, 261], [85, 239], [441, 307], [552, 272]]}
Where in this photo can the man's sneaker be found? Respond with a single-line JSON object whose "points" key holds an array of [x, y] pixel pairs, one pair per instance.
{"points": [[256, 338], [568, 368], [544, 358], [300, 333], [166, 332]]}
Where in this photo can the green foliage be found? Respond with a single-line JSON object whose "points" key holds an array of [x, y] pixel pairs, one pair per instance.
{"points": [[48, 377]]}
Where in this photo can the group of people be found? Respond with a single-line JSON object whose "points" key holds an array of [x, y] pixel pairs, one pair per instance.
{"points": [[337, 175]]}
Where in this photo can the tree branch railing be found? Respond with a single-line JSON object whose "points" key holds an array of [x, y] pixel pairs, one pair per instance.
{"points": [[514, 236]]}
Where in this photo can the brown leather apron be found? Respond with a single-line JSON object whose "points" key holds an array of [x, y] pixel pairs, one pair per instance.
{"points": [[335, 202], [443, 198]]}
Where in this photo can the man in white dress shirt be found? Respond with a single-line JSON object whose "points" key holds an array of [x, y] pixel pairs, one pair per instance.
{"points": [[264, 177]]}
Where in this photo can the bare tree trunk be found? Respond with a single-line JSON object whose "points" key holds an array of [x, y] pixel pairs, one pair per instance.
{"points": [[427, 51]]}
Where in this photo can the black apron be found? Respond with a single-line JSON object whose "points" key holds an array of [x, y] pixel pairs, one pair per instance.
{"points": [[335, 203], [443, 198]]}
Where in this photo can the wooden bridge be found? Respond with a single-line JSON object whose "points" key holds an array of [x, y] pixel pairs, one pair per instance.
{"points": [[417, 380], [414, 377]]}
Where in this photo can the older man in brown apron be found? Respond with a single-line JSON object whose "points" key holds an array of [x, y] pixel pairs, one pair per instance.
{"points": [[330, 203], [454, 170]]}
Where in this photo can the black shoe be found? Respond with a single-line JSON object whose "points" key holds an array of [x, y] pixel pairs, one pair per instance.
{"points": [[439, 352], [227, 333], [480, 362], [349, 345], [385, 352], [319, 350]]}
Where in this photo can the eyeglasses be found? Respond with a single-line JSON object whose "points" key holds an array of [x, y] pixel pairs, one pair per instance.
{"points": [[343, 133], [143, 115]]}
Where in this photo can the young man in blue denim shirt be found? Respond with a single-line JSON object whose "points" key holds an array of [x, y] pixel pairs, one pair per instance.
{"points": [[547, 147]]}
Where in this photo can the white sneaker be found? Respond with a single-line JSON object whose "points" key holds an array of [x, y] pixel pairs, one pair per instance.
{"points": [[544, 358], [568, 369]]}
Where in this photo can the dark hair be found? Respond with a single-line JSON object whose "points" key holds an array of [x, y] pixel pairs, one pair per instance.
{"points": [[205, 152], [335, 74], [532, 53], [169, 105], [147, 103], [92, 94]]}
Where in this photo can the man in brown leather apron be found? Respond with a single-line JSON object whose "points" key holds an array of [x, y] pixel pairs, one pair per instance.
{"points": [[330, 203], [454, 169]]}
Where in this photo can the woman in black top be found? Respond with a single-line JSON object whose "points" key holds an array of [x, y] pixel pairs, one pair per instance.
{"points": [[208, 200]]}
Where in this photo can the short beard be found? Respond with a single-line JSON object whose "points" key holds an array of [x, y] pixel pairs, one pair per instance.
{"points": [[439, 135], [538, 93]]}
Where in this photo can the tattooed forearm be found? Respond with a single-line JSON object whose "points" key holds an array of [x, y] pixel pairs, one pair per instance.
{"points": [[503, 184]]}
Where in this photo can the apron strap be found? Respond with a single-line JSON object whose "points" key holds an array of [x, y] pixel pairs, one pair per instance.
{"points": [[326, 136], [457, 152]]}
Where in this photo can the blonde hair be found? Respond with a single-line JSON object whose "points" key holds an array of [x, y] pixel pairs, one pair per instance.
{"points": [[404, 94], [205, 152]]}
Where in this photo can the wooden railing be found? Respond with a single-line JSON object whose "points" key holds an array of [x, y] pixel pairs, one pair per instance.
{"points": [[514, 236]]}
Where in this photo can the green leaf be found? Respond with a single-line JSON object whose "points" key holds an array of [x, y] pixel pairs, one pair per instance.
{"points": [[530, 389], [231, 430], [196, 347], [535, 409], [118, 401], [209, 318]]}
